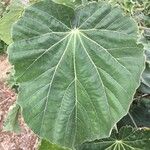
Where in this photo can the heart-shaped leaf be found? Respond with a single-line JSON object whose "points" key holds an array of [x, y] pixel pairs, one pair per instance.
{"points": [[77, 69]]}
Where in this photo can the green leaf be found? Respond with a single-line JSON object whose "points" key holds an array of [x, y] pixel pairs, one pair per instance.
{"points": [[11, 122], [145, 40], [13, 13], [145, 84], [145, 80], [140, 113], [7, 20], [70, 3], [128, 138], [46, 145], [77, 69]]}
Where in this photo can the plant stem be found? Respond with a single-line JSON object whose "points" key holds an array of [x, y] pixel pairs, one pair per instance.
{"points": [[116, 128], [132, 120], [139, 97], [143, 28]]}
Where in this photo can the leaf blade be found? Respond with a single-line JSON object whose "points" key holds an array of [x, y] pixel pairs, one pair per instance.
{"points": [[80, 75], [127, 138]]}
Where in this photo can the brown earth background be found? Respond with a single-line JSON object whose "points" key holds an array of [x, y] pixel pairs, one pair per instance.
{"points": [[26, 139]]}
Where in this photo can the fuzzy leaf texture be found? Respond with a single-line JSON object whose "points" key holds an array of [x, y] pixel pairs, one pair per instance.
{"points": [[77, 69], [127, 138]]}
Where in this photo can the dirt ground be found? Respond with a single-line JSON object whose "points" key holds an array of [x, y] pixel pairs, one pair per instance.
{"points": [[25, 140]]}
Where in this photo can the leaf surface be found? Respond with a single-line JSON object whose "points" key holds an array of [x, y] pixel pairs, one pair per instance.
{"points": [[145, 80], [11, 122], [70, 3], [77, 69], [46, 145], [11, 15], [128, 138], [140, 112]]}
